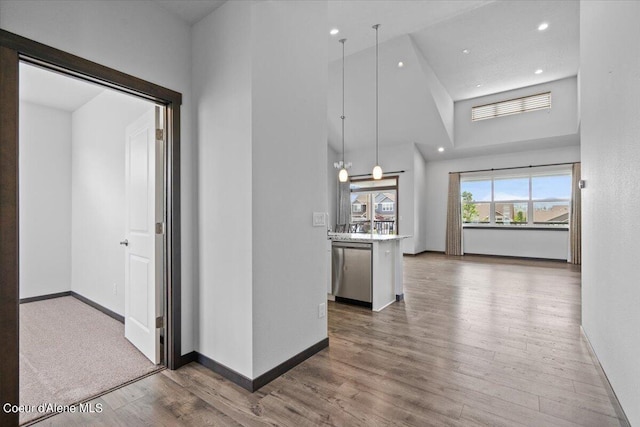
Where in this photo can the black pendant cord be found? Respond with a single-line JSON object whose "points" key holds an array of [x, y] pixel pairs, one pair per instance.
{"points": [[343, 117], [376, 28]]}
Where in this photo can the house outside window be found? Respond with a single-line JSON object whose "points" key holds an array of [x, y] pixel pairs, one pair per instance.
{"points": [[378, 201]]}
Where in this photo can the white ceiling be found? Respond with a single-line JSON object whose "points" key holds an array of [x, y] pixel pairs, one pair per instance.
{"points": [[502, 37], [354, 19], [190, 11], [505, 46], [48, 88]]}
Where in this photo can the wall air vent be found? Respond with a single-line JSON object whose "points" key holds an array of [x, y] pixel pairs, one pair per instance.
{"points": [[540, 101]]}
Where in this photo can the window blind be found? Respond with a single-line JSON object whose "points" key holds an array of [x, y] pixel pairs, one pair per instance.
{"points": [[540, 101]]}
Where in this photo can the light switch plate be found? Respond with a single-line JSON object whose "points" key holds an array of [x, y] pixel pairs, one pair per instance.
{"points": [[319, 219]]}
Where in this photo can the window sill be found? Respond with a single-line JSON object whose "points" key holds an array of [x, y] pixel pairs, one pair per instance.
{"points": [[514, 227]]}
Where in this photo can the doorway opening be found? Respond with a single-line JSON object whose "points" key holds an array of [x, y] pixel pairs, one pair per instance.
{"points": [[92, 214], [13, 50]]}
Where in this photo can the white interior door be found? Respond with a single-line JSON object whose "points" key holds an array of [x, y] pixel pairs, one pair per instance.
{"points": [[143, 281]]}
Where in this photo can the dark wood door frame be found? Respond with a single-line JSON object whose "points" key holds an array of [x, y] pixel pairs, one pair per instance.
{"points": [[14, 48]]}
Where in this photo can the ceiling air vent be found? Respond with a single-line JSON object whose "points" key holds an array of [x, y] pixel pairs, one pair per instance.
{"points": [[540, 101]]}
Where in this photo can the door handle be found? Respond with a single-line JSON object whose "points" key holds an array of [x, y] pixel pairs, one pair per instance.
{"points": [[125, 242]]}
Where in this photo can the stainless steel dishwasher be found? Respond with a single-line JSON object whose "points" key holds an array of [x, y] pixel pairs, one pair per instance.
{"points": [[351, 272]]}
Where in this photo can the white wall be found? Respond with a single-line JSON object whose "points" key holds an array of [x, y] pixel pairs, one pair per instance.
{"points": [[550, 244], [420, 202], [222, 99], [261, 129], [141, 39], [610, 101], [560, 120], [45, 200], [413, 105], [392, 159], [289, 170], [437, 178], [98, 196]]}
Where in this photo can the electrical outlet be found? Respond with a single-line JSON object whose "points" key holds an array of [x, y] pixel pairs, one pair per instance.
{"points": [[322, 310], [115, 289]]}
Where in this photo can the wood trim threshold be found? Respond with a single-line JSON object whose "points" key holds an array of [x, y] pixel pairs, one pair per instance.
{"points": [[260, 381], [622, 417], [45, 297], [98, 307], [95, 396]]}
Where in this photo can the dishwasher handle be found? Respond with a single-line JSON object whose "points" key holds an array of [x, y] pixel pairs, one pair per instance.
{"points": [[352, 245]]}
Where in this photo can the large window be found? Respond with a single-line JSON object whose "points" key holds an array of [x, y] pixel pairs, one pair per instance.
{"points": [[520, 197]]}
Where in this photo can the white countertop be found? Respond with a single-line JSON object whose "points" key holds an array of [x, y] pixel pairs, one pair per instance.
{"points": [[363, 237]]}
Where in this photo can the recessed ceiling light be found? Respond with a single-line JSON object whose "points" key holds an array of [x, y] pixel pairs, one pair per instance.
{"points": [[440, 149], [538, 71], [478, 85], [400, 64], [543, 26], [334, 31], [466, 51]]}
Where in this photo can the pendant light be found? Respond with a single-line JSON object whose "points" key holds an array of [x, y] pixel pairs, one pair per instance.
{"points": [[377, 170], [343, 175]]}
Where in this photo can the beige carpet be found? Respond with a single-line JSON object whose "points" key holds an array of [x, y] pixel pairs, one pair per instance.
{"points": [[70, 352]]}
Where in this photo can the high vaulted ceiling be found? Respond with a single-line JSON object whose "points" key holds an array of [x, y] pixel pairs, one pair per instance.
{"points": [[505, 46], [355, 18], [463, 50], [504, 49]]}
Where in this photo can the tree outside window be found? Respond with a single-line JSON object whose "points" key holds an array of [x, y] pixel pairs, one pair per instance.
{"points": [[469, 209]]}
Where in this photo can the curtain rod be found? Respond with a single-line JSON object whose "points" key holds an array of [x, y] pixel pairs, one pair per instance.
{"points": [[517, 167], [385, 174]]}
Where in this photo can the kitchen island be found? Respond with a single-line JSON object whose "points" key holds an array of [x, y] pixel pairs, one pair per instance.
{"points": [[366, 269]]}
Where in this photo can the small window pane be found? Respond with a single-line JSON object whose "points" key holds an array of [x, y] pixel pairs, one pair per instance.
{"points": [[475, 213], [359, 208], [511, 189], [511, 213], [551, 187], [551, 213], [477, 191], [385, 218]]}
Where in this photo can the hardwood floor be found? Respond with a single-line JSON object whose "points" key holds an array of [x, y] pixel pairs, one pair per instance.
{"points": [[477, 341]]}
